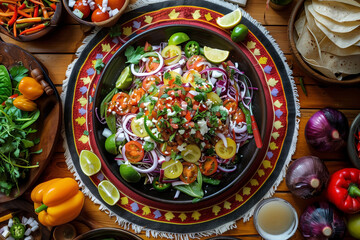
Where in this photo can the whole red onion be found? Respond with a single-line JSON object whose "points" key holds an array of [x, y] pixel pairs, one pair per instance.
{"points": [[307, 177], [320, 221], [327, 130]]}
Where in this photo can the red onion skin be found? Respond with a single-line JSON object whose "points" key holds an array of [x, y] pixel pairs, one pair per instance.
{"points": [[327, 130], [300, 174], [318, 217]]}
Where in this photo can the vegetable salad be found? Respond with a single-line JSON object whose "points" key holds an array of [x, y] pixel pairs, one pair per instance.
{"points": [[177, 116]]}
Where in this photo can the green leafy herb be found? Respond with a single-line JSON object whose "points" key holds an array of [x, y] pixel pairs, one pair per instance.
{"points": [[149, 146], [5, 84], [18, 72], [167, 75], [178, 80], [175, 156], [134, 56], [164, 96], [200, 97], [193, 189], [176, 108], [99, 65], [172, 136], [211, 181]]}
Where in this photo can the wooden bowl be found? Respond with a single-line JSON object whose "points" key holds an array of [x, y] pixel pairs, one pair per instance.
{"points": [[53, 24], [352, 142], [299, 7], [26, 209], [107, 23], [48, 124], [102, 233]]}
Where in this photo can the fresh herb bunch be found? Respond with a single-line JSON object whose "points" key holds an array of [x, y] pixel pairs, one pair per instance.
{"points": [[15, 134]]}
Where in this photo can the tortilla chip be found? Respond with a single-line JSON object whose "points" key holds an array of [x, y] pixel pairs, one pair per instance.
{"points": [[337, 11], [333, 25], [300, 23], [328, 46], [350, 2], [321, 69], [308, 46], [342, 40], [341, 64]]}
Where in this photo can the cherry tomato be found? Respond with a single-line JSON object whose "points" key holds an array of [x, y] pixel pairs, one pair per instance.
{"points": [[172, 54], [193, 63], [225, 152], [239, 116], [230, 105], [136, 95], [112, 3], [134, 151], [85, 9], [192, 153], [189, 173], [99, 16], [152, 65], [209, 166], [119, 103], [172, 168], [150, 80], [189, 77]]}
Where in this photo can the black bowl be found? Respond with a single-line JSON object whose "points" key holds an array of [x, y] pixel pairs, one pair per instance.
{"points": [[352, 142], [249, 154], [105, 233]]}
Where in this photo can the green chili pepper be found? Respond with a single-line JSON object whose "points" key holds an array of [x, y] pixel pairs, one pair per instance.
{"points": [[17, 231], [104, 103], [160, 187], [151, 135], [247, 116], [211, 181], [192, 48]]}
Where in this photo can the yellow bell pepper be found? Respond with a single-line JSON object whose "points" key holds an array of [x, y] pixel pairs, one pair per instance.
{"points": [[30, 88], [57, 201], [22, 103]]}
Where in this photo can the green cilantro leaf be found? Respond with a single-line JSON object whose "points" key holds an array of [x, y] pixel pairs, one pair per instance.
{"points": [[134, 56], [167, 75], [178, 80], [99, 65], [149, 146]]}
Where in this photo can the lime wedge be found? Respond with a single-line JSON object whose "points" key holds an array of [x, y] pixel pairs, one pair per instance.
{"points": [[230, 20], [128, 173], [108, 192], [110, 144], [178, 38], [215, 55], [125, 79], [90, 163]]}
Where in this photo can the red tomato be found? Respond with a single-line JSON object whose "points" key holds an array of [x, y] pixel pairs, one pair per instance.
{"points": [[150, 80], [209, 166], [193, 63], [85, 9], [189, 173], [230, 105], [99, 16], [239, 116], [151, 65], [136, 95], [112, 3], [134, 151], [119, 103]]}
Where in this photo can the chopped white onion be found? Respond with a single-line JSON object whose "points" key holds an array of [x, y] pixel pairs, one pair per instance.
{"points": [[178, 183], [177, 194], [106, 132], [28, 232]]}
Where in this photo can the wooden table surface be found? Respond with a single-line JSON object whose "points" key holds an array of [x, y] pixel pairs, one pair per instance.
{"points": [[56, 51]]}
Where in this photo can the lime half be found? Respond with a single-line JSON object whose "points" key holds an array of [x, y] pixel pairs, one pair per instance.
{"points": [[125, 79], [90, 163], [215, 55], [230, 20], [110, 144], [128, 173], [108, 192]]}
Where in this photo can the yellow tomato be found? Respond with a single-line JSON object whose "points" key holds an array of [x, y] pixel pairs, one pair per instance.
{"points": [[226, 152], [189, 77], [214, 98], [192, 153], [138, 128], [173, 76], [171, 54], [172, 168]]}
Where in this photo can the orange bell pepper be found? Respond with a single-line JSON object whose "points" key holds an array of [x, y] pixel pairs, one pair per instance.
{"points": [[30, 88], [22, 103], [57, 201]]}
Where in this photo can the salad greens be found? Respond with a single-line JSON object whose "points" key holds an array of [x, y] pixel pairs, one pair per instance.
{"points": [[15, 134]]}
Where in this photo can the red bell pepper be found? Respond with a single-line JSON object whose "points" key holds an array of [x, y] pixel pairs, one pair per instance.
{"points": [[343, 190]]}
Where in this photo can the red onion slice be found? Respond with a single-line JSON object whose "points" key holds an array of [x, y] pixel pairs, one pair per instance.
{"points": [[125, 121], [227, 169], [222, 137], [138, 74], [177, 183], [141, 170]]}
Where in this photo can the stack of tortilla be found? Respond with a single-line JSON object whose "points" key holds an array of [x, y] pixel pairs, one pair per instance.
{"points": [[328, 36]]}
